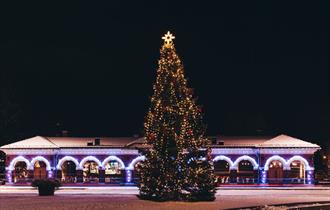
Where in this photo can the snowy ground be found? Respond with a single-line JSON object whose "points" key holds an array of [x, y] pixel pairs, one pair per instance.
{"points": [[124, 198]]}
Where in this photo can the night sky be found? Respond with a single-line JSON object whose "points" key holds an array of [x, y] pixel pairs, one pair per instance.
{"points": [[257, 68]]}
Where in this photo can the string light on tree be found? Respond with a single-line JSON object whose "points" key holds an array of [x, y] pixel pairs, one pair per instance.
{"points": [[178, 166]]}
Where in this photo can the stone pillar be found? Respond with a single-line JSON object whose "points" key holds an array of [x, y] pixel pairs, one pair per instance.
{"points": [[309, 174], [101, 175], [9, 177], [233, 176], [255, 176], [59, 174], [79, 176], [50, 174], [286, 177], [128, 177], [30, 175], [262, 176]]}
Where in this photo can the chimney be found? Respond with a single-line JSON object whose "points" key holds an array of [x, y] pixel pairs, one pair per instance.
{"points": [[65, 133], [219, 141], [213, 140], [97, 142]]}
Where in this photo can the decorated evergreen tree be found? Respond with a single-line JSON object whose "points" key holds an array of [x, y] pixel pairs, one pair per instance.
{"points": [[177, 165]]}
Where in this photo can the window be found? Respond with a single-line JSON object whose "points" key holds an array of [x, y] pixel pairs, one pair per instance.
{"points": [[112, 168]]}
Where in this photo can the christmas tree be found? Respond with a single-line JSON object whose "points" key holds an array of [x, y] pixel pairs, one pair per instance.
{"points": [[178, 164]]}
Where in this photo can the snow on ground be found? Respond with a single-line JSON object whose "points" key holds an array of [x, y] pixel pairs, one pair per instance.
{"points": [[79, 199]]}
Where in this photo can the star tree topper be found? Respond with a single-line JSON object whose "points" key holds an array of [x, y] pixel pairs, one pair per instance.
{"points": [[168, 37]]}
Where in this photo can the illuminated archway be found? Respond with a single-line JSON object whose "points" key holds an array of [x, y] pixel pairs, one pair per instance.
{"points": [[225, 158], [273, 158], [12, 164], [42, 159], [67, 158], [248, 158], [105, 161], [301, 159], [90, 166], [89, 158], [134, 161]]}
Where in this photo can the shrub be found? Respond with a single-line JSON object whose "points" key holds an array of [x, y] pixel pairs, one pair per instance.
{"points": [[46, 186]]}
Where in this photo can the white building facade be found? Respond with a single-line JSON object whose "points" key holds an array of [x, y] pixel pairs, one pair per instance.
{"points": [[240, 160]]}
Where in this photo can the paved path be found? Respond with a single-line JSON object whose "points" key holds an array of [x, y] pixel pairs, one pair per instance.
{"points": [[132, 190], [124, 198]]}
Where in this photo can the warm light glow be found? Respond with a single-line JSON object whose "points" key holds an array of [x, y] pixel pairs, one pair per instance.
{"points": [[286, 164], [174, 130], [301, 159], [273, 158], [42, 159], [168, 38]]}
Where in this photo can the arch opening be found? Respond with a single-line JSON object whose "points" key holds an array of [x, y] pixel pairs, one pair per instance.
{"points": [[20, 172], [134, 161], [222, 171], [113, 171], [275, 172], [39, 170], [297, 172], [245, 172], [68, 172], [90, 171], [273, 158], [12, 164], [136, 171], [301, 159], [67, 158], [248, 158], [132, 172]]}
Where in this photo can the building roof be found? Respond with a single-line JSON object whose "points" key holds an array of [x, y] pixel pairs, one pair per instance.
{"points": [[73, 142], [40, 142], [263, 142], [34, 142], [287, 141], [242, 141], [63, 142]]}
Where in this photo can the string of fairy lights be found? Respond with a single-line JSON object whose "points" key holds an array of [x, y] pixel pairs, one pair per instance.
{"points": [[174, 130]]}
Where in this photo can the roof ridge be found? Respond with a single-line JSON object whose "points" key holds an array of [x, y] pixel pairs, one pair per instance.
{"points": [[46, 138], [133, 142], [280, 138]]}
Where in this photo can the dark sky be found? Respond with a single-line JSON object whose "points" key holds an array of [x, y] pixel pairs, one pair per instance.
{"points": [[90, 66]]}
